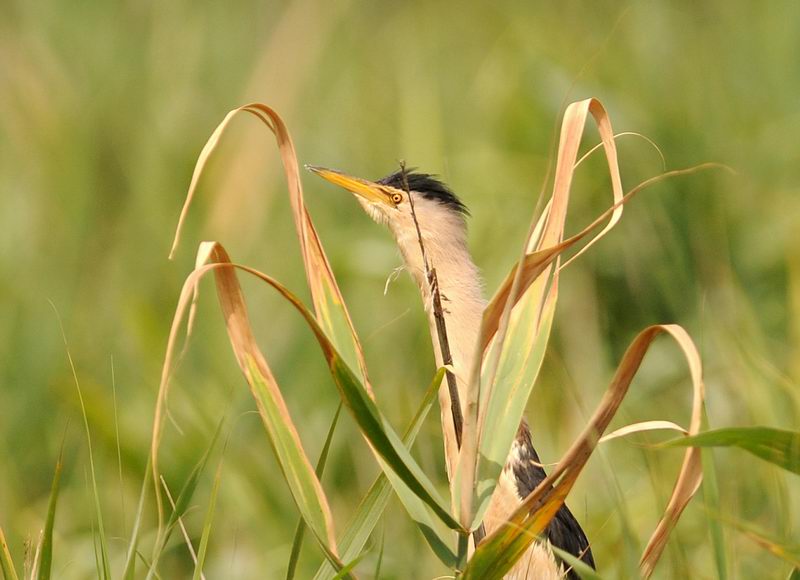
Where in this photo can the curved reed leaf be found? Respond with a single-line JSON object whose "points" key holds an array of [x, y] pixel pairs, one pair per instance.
{"points": [[303, 483], [383, 441], [330, 309], [777, 446], [503, 547], [496, 402], [329, 306]]}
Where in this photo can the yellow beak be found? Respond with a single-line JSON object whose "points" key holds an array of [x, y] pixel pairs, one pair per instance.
{"points": [[368, 190]]}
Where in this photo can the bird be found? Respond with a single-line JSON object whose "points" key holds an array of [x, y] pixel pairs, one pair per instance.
{"points": [[416, 205]]}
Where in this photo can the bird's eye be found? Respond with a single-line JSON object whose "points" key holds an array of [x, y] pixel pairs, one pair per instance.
{"points": [[397, 198]]}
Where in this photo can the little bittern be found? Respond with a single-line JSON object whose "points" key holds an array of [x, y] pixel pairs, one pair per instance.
{"points": [[441, 217]]}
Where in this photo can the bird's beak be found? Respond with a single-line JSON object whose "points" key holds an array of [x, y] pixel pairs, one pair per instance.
{"points": [[365, 189]]}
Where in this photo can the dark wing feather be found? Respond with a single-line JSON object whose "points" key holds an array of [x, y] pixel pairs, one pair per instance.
{"points": [[564, 531]]}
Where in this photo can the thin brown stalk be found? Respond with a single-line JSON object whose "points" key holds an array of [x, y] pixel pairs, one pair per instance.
{"points": [[438, 315], [441, 331]]}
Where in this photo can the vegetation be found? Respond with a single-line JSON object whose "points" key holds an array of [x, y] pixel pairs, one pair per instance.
{"points": [[100, 130]]}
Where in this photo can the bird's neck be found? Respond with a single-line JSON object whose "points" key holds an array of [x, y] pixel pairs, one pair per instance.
{"points": [[462, 306]]}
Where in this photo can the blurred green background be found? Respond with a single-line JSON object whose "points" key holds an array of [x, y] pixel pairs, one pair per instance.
{"points": [[104, 107]]}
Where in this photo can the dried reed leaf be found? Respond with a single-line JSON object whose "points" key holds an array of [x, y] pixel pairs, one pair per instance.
{"points": [[501, 549], [642, 427], [777, 446], [510, 368], [300, 529], [329, 305], [535, 263], [387, 446], [389, 450]]}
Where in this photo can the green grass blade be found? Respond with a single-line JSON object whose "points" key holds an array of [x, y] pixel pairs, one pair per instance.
{"points": [[369, 511], [212, 504], [182, 502], [380, 556], [45, 563], [105, 569], [284, 438], [777, 446], [189, 487], [6, 564], [385, 441], [581, 568], [129, 572], [297, 543], [302, 481], [711, 498]]}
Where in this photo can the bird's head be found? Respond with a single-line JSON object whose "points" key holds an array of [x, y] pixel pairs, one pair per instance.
{"points": [[440, 214]]}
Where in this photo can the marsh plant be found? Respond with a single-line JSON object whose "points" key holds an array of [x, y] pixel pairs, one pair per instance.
{"points": [[514, 335]]}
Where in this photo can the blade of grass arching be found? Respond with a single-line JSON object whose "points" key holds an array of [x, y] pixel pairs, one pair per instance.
{"points": [[381, 437], [535, 263], [329, 306], [297, 543], [129, 572], [711, 497], [642, 427], [104, 569], [777, 446], [6, 563], [284, 439], [579, 567], [370, 509], [377, 573], [523, 327], [181, 503], [44, 562], [505, 545], [179, 523], [212, 504]]}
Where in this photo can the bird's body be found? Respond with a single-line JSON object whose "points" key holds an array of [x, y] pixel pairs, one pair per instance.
{"points": [[440, 216]]}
